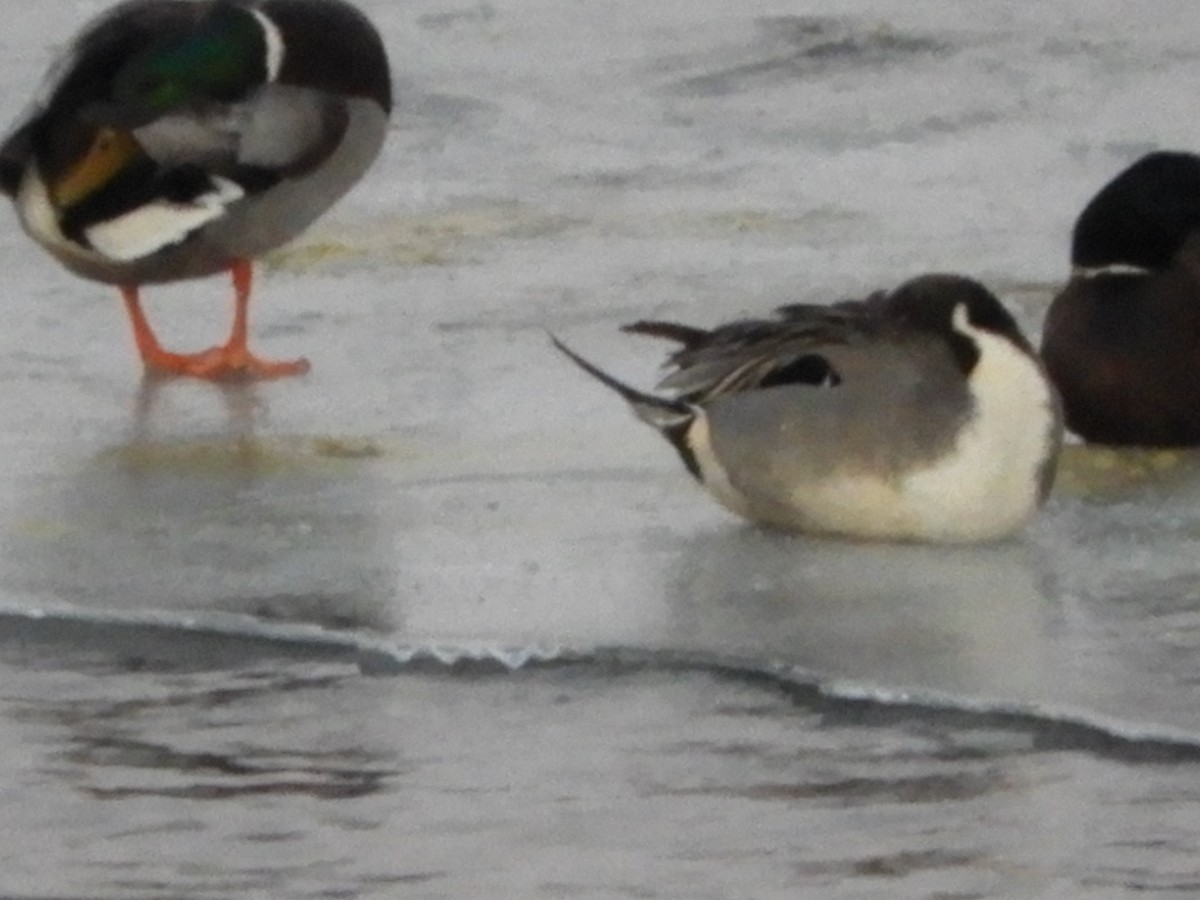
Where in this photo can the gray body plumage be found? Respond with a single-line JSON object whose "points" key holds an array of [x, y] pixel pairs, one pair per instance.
{"points": [[899, 405]]}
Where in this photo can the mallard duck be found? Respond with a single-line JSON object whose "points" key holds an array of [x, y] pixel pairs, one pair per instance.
{"points": [[178, 139], [918, 414], [1122, 339]]}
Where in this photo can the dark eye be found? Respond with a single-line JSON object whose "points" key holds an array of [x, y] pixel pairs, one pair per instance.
{"points": [[811, 369]]}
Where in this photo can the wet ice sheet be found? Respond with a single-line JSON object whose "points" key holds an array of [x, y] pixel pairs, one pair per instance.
{"points": [[442, 474], [442, 477], [306, 780], [580, 558]]}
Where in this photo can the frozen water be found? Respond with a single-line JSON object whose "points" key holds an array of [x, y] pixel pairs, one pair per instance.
{"points": [[195, 578]]}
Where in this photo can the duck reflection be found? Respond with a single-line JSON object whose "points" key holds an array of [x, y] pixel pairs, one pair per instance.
{"points": [[960, 619], [242, 403], [198, 510]]}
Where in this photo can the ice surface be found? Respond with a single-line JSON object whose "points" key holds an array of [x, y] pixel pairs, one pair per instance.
{"points": [[194, 579], [443, 476]]}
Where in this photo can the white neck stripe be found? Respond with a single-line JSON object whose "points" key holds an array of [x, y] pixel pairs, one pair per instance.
{"points": [[274, 42], [1110, 269], [960, 321]]}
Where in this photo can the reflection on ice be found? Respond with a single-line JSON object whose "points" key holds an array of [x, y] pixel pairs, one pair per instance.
{"points": [[282, 529], [960, 620]]}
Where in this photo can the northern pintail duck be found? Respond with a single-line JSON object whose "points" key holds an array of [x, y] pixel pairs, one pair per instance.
{"points": [[919, 414], [1122, 339], [177, 139]]}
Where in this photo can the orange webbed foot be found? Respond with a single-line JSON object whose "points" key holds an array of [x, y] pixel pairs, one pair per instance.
{"points": [[224, 363], [231, 361]]}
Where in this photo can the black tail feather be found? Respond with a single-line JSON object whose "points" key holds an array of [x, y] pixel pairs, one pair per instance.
{"points": [[660, 412], [673, 418]]}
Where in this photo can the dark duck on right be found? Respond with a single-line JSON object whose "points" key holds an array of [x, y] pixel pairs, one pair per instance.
{"points": [[1122, 340]]}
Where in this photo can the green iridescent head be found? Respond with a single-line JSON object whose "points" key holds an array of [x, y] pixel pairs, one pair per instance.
{"points": [[220, 59]]}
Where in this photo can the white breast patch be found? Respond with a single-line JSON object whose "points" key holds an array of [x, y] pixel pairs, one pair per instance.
{"points": [[162, 223], [989, 483]]}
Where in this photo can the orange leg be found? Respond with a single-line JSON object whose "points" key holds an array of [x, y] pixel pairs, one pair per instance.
{"points": [[232, 361]]}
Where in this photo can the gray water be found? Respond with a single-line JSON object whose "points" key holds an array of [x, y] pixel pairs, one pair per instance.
{"points": [[441, 619]]}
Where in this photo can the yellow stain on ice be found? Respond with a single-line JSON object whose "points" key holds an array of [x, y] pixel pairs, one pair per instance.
{"points": [[42, 529], [1088, 471], [436, 239], [396, 459], [446, 238], [260, 456], [346, 448], [816, 221]]}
